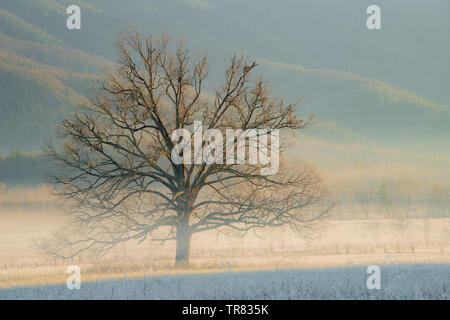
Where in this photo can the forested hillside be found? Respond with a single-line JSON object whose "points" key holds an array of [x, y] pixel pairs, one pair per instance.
{"points": [[387, 87]]}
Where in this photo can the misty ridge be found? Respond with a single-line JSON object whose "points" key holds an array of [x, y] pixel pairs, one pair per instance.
{"points": [[350, 85], [342, 72]]}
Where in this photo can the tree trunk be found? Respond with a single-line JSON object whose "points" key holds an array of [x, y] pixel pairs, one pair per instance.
{"points": [[183, 239]]}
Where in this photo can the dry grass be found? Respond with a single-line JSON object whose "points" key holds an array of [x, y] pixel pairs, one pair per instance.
{"points": [[338, 243]]}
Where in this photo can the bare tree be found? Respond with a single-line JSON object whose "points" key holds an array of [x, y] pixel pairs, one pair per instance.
{"points": [[119, 175]]}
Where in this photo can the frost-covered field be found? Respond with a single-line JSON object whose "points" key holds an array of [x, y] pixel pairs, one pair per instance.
{"points": [[421, 281]]}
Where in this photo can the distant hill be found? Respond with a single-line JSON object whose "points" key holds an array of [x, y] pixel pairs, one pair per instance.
{"points": [[18, 28], [389, 87], [54, 55], [34, 97], [393, 117]]}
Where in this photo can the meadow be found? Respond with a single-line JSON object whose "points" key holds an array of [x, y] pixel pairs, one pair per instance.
{"points": [[421, 281], [354, 237], [344, 243]]}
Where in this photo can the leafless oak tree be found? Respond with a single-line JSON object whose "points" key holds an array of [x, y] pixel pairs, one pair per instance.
{"points": [[118, 174]]}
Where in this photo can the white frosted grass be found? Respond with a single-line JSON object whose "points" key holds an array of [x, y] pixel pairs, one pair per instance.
{"points": [[421, 281]]}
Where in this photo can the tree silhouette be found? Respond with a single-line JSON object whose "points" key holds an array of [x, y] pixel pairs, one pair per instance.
{"points": [[119, 175]]}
